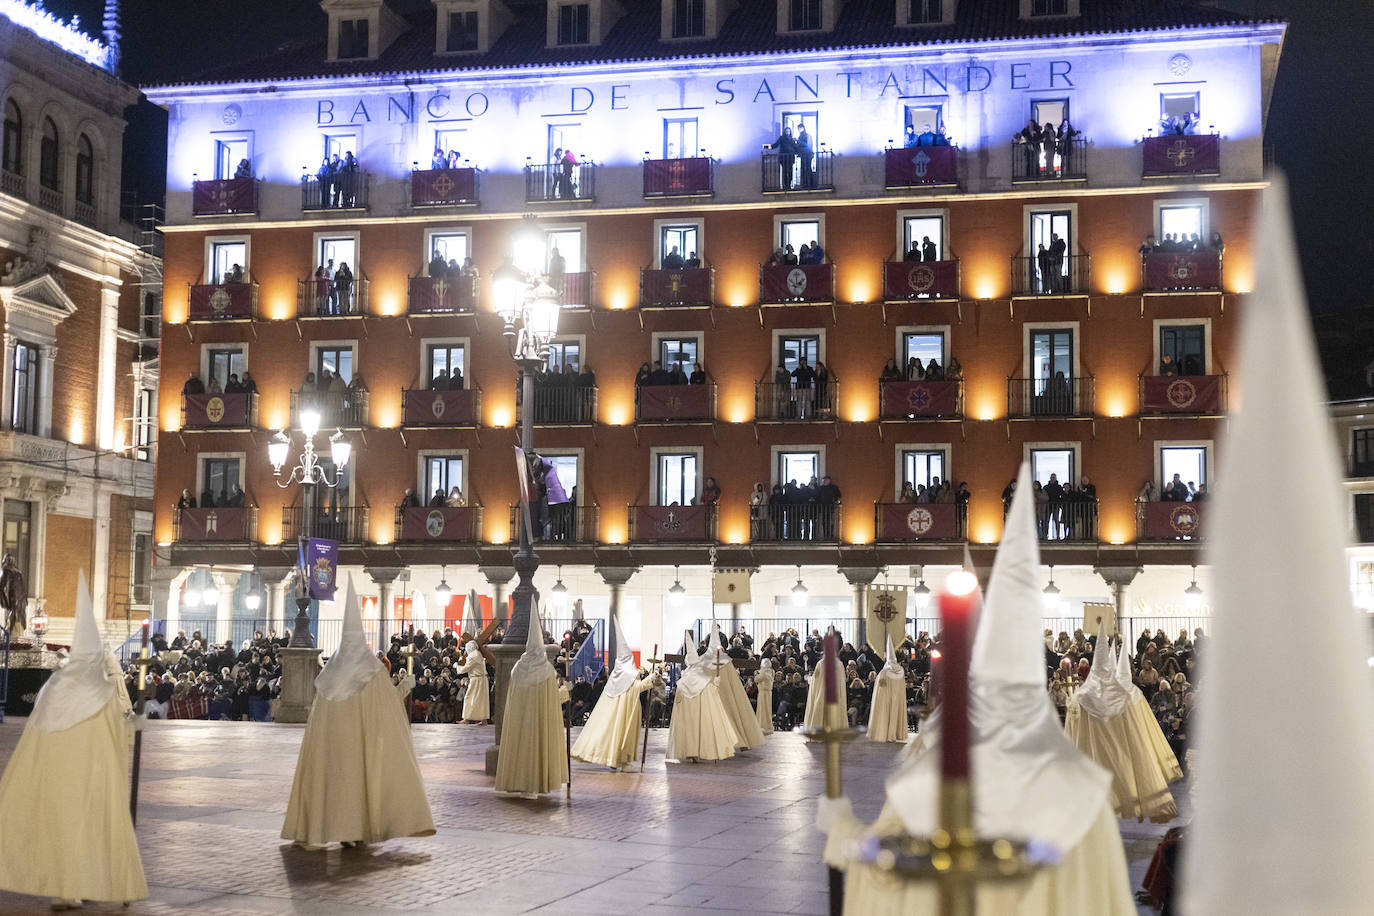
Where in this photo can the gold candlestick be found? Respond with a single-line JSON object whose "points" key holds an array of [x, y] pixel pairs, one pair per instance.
{"points": [[832, 733]]}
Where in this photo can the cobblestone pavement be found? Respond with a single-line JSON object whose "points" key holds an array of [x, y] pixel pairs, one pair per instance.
{"points": [[729, 837]]}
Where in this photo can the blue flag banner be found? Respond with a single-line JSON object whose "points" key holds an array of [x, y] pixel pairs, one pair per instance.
{"points": [[321, 564], [588, 660]]}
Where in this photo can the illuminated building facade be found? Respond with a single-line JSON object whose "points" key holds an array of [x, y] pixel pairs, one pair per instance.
{"points": [[673, 112]]}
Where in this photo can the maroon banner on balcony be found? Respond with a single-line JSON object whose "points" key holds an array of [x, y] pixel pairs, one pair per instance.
{"points": [[226, 195], [573, 289], [438, 295], [677, 176], [229, 411], [1182, 393], [1182, 270], [449, 523], [226, 300], [1173, 520], [800, 282], [920, 399], [905, 522], [910, 279], [688, 286], [443, 186], [1175, 154], [675, 402], [438, 408], [670, 523], [917, 165], [214, 524]]}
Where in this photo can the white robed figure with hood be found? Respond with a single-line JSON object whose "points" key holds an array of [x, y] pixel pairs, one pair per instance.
{"points": [[887, 715], [815, 694], [477, 698], [1028, 781], [67, 832], [533, 757], [1100, 722], [763, 682], [1145, 719], [701, 728], [357, 780], [611, 735], [732, 695]]}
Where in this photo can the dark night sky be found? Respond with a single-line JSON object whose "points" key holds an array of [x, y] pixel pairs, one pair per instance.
{"points": [[1319, 121]]}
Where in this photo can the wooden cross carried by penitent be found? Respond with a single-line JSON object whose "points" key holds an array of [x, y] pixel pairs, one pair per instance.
{"points": [[143, 661], [648, 708]]}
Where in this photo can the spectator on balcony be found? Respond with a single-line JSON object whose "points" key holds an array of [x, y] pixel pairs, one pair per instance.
{"points": [[710, 492], [186, 501], [214, 387], [908, 495], [1058, 251], [953, 371], [915, 371], [672, 260], [693, 261], [1167, 366], [207, 498], [804, 153], [659, 376], [244, 169], [438, 500], [928, 252], [821, 399], [348, 178], [1216, 244], [1042, 267], [934, 371], [455, 379], [438, 267], [455, 498], [250, 385], [910, 139], [343, 289], [557, 266], [235, 275], [817, 253], [355, 394], [698, 376], [438, 160], [233, 385], [1178, 126], [440, 381], [642, 378], [890, 372], [921, 495], [236, 497], [324, 176], [913, 254], [1029, 138], [409, 500], [677, 376], [786, 148], [828, 496], [193, 385], [1064, 145], [805, 378]]}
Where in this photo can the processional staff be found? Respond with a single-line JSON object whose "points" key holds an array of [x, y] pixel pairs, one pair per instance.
{"points": [[648, 708], [143, 662]]}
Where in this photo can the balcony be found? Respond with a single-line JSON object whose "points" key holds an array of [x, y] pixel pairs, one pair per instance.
{"points": [[1072, 518], [442, 296], [921, 400], [795, 522], [1187, 395], [690, 177], [921, 167], [787, 174], [319, 297], [1030, 162], [421, 524], [344, 191], [683, 288], [797, 284], [906, 281], [85, 213], [50, 199], [1180, 271], [567, 523], [1189, 155], [345, 524], [223, 411], [1359, 466], [340, 410], [672, 523], [218, 524], [13, 184], [675, 404], [1048, 276], [224, 197], [557, 404], [575, 290], [1043, 397], [443, 187], [783, 403], [426, 407], [222, 302], [1169, 521], [552, 182], [902, 522]]}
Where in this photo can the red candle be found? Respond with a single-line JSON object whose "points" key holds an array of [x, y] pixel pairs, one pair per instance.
{"points": [[832, 686], [958, 605]]}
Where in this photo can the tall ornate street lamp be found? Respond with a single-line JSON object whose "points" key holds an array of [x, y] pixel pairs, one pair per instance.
{"points": [[529, 308]]}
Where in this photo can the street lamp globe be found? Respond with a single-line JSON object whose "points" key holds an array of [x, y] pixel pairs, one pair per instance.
{"points": [[1192, 595], [278, 450], [677, 592], [310, 422], [508, 287], [253, 601], [191, 597], [542, 318], [211, 596], [799, 591], [340, 449], [560, 592]]}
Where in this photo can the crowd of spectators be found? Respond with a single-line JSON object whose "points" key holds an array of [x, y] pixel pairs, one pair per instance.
{"points": [[1063, 511], [1182, 241], [1048, 151], [339, 180], [434, 660], [803, 393], [333, 289], [928, 136], [563, 394], [795, 512], [190, 678], [656, 376], [1175, 491], [674, 260], [792, 150], [329, 393], [936, 492], [786, 255], [440, 160], [916, 371], [233, 385], [451, 271]]}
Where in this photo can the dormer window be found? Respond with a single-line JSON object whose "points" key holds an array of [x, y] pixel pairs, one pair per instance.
{"points": [[803, 15], [462, 31], [689, 18], [686, 20], [360, 29], [925, 12], [1048, 9], [353, 38], [469, 26], [574, 23]]}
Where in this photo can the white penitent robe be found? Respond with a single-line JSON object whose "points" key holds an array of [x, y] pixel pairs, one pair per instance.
{"points": [[815, 695], [763, 680], [887, 720], [736, 702], [534, 754], [701, 728], [477, 698], [1121, 744], [611, 735], [357, 779]]}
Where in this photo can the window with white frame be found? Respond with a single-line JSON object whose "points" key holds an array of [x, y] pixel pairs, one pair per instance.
{"points": [[219, 477], [336, 359], [443, 472], [229, 152], [925, 117], [678, 477], [1182, 349], [1181, 220], [566, 243], [24, 381], [145, 403], [799, 231], [451, 246], [797, 464], [566, 351], [923, 466], [449, 140], [568, 468], [674, 349], [222, 361], [684, 235], [1057, 462], [680, 138], [333, 251], [225, 256], [923, 345], [1178, 105], [1188, 461], [448, 358], [923, 237], [339, 144]]}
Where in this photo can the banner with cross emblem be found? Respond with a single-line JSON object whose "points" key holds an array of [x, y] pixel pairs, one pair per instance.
{"points": [[730, 585], [885, 607]]}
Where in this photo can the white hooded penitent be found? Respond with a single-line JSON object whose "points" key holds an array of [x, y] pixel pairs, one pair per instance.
{"points": [[625, 673], [533, 667], [353, 665], [1102, 694], [81, 687]]}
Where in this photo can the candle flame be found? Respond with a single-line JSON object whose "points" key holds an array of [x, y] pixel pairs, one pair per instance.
{"points": [[961, 583]]}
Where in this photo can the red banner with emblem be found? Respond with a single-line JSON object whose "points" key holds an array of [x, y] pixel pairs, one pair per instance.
{"points": [[1182, 393], [441, 523], [912, 279], [797, 283], [443, 186], [677, 176], [920, 399], [675, 402], [671, 523], [1166, 521], [1183, 270], [437, 295], [906, 522], [222, 301], [227, 195], [218, 524], [228, 411], [424, 407], [920, 165], [687, 286], [1175, 154]]}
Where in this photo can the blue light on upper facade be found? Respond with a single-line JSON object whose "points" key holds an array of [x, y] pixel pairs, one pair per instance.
{"points": [[66, 35]]}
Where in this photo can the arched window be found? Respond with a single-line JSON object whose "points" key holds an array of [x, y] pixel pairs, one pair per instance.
{"points": [[14, 131], [85, 170], [48, 169]]}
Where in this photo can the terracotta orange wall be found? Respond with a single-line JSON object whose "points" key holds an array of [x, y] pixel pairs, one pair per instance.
{"points": [[68, 552]]}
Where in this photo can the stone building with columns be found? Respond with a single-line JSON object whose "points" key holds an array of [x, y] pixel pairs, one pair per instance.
{"points": [[951, 232], [79, 292]]}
